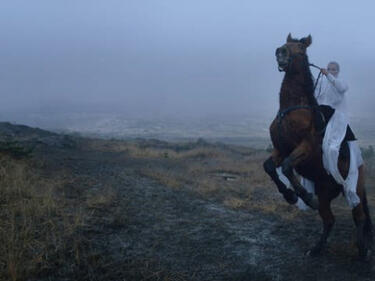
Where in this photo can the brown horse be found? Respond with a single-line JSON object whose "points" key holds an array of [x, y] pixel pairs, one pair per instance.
{"points": [[297, 145]]}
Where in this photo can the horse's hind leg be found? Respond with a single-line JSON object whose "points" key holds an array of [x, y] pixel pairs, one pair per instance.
{"points": [[368, 228], [301, 192], [362, 219], [270, 168], [328, 222], [359, 219]]}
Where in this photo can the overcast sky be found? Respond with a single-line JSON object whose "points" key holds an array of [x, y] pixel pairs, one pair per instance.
{"points": [[173, 57]]}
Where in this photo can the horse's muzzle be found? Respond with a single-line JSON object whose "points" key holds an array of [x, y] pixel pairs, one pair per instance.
{"points": [[282, 67], [282, 58]]}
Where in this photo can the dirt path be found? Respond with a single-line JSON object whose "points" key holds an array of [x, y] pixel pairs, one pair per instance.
{"points": [[196, 239]]}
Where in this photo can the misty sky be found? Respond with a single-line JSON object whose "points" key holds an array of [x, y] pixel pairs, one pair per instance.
{"points": [[173, 57]]}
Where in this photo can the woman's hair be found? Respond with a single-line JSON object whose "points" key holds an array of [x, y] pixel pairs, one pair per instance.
{"points": [[335, 63]]}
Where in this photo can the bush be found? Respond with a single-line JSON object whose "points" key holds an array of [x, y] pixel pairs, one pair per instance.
{"points": [[15, 149]]}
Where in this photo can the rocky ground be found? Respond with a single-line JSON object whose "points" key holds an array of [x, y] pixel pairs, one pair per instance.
{"points": [[197, 211]]}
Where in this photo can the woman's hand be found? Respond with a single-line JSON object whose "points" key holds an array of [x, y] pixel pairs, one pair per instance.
{"points": [[324, 71]]}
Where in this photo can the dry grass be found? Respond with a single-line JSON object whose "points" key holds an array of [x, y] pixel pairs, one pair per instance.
{"points": [[251, 190], [41, 231], [166, 177], [101, 199], [29, 230], [45, 220], [138, 150], [204, 170], [131, 149]]}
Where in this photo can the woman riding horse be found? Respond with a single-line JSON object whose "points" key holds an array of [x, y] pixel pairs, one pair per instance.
{"points": [[297, 141]]}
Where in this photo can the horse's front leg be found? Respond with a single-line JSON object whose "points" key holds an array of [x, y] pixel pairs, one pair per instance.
{"points": [[270, 168], [299, 154]]}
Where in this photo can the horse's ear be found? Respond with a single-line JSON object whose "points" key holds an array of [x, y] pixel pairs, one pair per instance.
{"points": [[306, 41], [289, 38]]}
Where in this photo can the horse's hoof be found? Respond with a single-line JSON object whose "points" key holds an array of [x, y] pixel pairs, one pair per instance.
{"points": [[290, 196]]}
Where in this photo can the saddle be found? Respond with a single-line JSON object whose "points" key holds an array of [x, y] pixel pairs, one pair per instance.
{"points": [[322, 116]]}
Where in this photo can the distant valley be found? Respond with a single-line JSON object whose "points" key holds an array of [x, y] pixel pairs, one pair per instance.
{"points": [[250, 130]]}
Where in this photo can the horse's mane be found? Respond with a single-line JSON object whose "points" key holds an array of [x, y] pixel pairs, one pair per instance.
{"points": [[309, 82]]}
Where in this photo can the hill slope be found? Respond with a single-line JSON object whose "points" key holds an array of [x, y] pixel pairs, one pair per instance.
{"points": [[151, 210]]}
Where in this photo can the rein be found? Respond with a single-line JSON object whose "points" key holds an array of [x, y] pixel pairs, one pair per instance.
{"points": [[281, 114], [313, 65], [319, 76]]}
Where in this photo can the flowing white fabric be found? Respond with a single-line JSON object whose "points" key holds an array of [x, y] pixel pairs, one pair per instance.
{"points": [[351, 181], [349, 184], [334, 135], [330, 91]]}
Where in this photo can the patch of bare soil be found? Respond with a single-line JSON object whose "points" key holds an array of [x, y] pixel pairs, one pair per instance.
{"points": [[158, 211]]}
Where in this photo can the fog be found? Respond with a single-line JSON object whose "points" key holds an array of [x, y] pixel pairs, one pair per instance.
{"points": [[172, 58]]}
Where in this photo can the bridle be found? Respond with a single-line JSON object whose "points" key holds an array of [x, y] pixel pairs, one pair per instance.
{"points": [[290, 57]]}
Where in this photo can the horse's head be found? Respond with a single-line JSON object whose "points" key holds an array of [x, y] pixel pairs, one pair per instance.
{"points": [[291, 50]]}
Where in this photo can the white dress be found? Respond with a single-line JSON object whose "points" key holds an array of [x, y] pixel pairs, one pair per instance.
{"points": [[331, 91]]}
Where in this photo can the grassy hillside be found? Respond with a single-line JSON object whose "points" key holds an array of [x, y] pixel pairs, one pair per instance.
{"points": [[92, 209]]}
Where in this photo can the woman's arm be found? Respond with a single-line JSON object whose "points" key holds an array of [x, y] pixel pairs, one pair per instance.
{"points": [[339, 84]]}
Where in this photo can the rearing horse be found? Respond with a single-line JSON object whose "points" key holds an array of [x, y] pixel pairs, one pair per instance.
{"points": [[298, 146]]}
